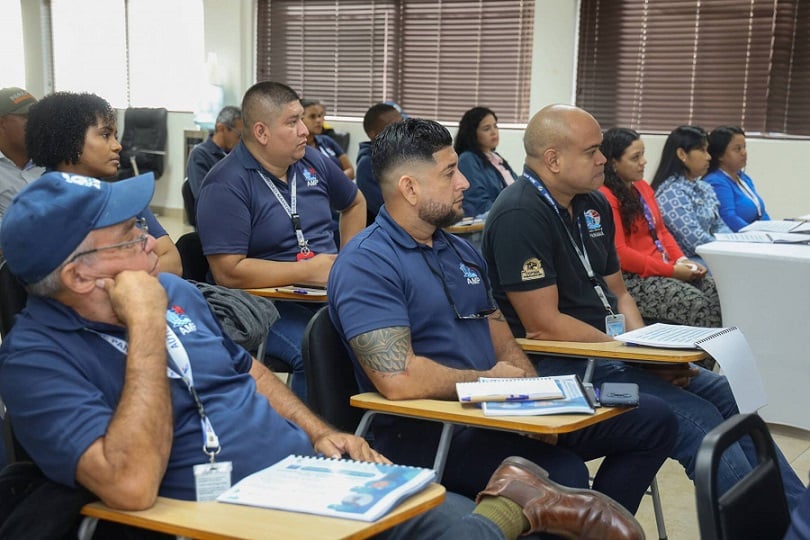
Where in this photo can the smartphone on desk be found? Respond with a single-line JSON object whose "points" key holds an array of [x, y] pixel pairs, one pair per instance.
{"points": [[617, 394]]}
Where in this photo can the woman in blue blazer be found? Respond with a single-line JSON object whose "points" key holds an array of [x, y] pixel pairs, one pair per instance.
{"points": [[739, 202], [487, 172]]}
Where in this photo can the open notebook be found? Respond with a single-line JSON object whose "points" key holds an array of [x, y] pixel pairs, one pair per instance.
{"points": [[727, 346]]}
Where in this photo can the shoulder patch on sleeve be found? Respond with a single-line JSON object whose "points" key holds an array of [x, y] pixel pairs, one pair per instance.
{"points": [[532, 269]]}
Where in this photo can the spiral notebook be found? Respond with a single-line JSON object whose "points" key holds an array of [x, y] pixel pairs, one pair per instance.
{"points": [[504, 389], [329, 487], [727, 346]]}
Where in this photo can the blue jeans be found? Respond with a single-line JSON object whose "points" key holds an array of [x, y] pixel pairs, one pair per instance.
{"points": [[634, 444], [285, 339], [700, 407], [800, 519], [452, 520]]}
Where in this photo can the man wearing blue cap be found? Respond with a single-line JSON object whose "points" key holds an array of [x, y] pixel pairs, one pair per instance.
{"points": [[112, 374]]}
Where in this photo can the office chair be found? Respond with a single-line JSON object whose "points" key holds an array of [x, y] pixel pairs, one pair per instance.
{"points": [[195, 264], [189, 204], [755, 507], [329, 373], [195, 268], [143, 142], [12, 298], [341, 137]]}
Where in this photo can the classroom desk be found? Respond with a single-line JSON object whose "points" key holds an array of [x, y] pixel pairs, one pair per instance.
{"points": [[220, 521], [609, 350], [453, 412], [274, 294], [466, 227], [763, 291]]}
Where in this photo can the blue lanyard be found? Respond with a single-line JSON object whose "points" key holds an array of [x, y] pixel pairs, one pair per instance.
{"points": [[178, 367], [290, 209], [651, 225], [581, 253]]}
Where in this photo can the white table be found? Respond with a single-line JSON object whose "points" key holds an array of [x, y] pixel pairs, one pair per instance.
{"points": [[765, 291]]}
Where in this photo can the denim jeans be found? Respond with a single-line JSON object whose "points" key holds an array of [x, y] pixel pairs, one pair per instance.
{"points": [[800, 519], [452, 520], [634, 444], [285, 338], [700, 407]]}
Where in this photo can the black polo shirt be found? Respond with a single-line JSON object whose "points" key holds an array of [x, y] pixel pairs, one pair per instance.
{"points": [[526, 248]]}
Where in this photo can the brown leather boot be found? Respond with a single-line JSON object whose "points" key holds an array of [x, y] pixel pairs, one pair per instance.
{"points": [[552, 508]]}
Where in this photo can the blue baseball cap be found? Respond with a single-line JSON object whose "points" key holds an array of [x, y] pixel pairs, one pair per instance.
{"points": [[52, 215]]}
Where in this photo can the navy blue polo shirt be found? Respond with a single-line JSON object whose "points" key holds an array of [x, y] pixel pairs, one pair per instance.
{"points": [[238, 214], [526, 247], [61, 382], [384, 278], [200, 160]]}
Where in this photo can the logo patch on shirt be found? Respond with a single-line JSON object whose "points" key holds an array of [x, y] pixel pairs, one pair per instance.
{"points": [[532, 269], [472, 277], [176, 316], [309, 176], [593, 221]]}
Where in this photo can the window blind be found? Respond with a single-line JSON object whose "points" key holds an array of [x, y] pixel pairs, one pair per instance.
{"points": [[435, 58], [655, 64]]}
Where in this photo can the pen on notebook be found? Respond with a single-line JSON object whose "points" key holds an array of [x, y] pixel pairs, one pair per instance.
{"points": [[517, 397], [291, 290]]}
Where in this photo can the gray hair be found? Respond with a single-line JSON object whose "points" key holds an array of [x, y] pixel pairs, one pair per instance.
{"points": [[229, 115], [51, 284]]}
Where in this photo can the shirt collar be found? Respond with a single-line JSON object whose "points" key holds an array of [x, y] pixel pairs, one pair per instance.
{"points": [[400, 235], [57, 316]]}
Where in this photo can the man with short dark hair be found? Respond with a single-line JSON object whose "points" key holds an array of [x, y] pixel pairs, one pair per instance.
{"points": [[377, 117], [16, 168], [265, 213], [226, 135], [414, 305]]}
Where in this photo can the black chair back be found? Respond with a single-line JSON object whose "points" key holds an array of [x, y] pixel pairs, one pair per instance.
{"points": [[330, 374], [195, 265], [144, 139], [342, 138], [189, 204], [755, 507], [12, 299]]}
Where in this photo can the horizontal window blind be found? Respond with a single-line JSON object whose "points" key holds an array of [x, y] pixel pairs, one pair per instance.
{"points": [[435, 58], [656, 64]]}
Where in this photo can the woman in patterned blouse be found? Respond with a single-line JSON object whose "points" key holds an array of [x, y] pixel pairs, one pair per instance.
{"points": [[689, 206]]}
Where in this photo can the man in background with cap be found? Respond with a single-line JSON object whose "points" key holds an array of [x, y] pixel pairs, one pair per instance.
{"points": [[16, 169], [113, 372]]}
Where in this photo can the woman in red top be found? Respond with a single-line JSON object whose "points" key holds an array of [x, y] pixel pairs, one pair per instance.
{"points": [[667, 286]]}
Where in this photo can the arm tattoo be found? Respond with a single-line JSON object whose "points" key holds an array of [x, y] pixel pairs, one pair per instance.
{"points": [[498, 316], [385, 350]]}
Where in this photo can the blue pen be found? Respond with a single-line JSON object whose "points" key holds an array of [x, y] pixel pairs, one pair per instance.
{"points": [[517, 397]]}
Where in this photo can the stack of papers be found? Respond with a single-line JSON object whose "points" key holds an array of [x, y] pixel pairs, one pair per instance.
{"points": [[779, 226], [530, 388], [760, 237], [571, 400]]}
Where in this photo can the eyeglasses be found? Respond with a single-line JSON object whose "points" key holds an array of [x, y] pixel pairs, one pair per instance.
{"points": [[484, 313], [142, 239]]}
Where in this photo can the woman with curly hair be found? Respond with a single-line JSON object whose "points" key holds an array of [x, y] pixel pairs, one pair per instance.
{"points": [[485, 169], [665, 284], [77, 133]]}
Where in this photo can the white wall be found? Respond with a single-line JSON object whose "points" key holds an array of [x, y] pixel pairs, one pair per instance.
{"points": [[777, 166]]}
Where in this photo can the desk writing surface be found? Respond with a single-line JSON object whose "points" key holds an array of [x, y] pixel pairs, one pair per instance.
{"points": [[274, 294], [465, 229], [469, 414], [614, 350], [219, 521]]}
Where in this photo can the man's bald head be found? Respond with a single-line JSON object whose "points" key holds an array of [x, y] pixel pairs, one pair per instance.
{"points": [[550, 127]]}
